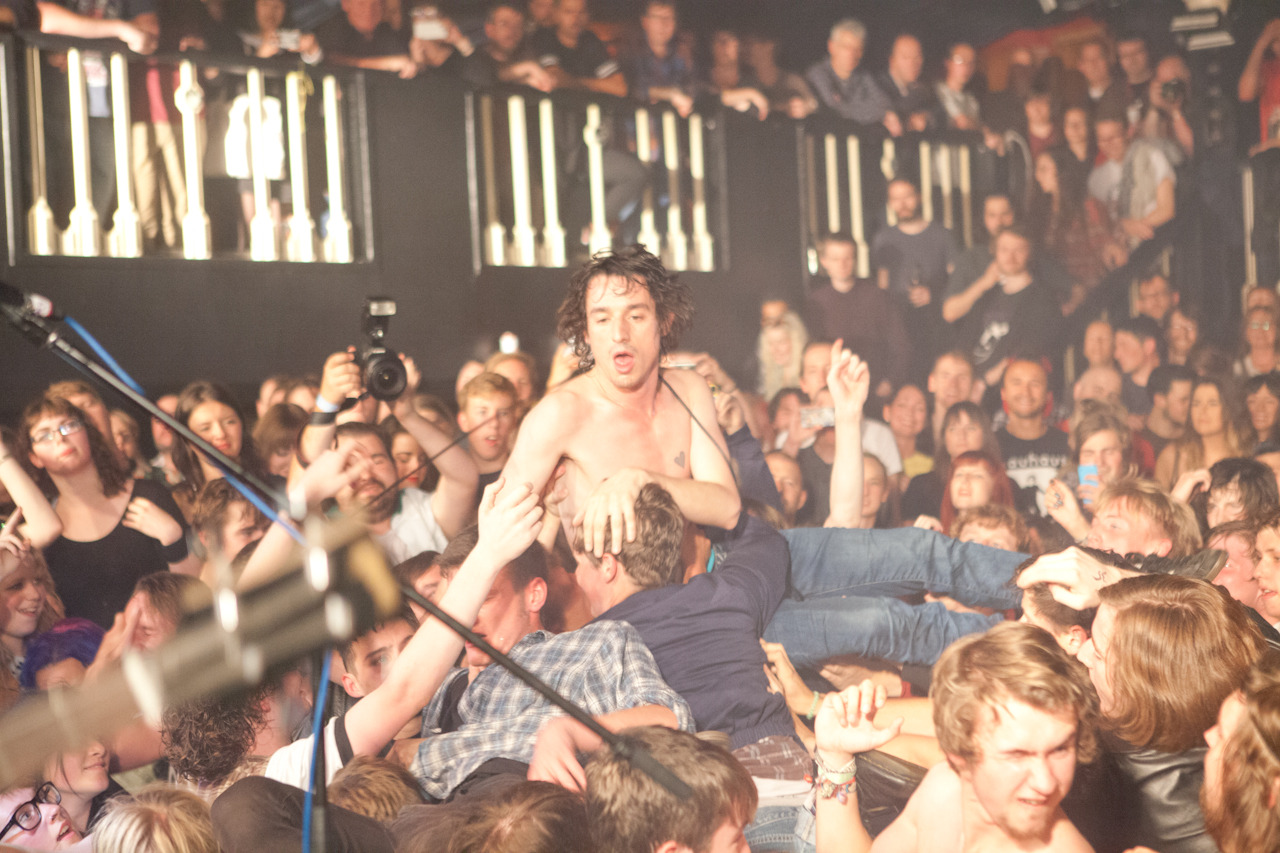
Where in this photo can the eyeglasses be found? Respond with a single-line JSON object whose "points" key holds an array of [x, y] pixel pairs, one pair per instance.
{"points": [[27, 816], [64, 430]]}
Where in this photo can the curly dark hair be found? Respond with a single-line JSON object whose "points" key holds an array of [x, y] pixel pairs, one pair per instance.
{"points": [[104, 458], [206, 739], [672, 299]]}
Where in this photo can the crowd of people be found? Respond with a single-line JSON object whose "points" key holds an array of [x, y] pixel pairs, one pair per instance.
{"points": [[1104, 137], [1061, 592]]}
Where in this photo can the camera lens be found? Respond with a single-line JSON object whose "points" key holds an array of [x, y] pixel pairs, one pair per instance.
{"points": [[385, 377]]}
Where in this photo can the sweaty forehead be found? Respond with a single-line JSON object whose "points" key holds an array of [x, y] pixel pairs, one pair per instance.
{"points": [[603, 286]]}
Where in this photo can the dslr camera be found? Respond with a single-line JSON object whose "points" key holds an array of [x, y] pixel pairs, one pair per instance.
{"points": [[1173, 91], [383, 372]]}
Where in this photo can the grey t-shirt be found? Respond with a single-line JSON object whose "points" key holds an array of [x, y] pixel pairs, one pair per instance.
{"points": [[925, 257]]}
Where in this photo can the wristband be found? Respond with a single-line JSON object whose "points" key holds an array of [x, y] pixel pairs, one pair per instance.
{"points": [[175, 553], [813, 707], [322, 418], [325, 406], [834, 783]]}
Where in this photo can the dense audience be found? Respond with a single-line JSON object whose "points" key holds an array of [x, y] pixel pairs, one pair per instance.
{"points": [[1054, 563]]}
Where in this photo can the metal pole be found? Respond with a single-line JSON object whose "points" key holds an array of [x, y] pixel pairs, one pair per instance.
{"points": [[338, 239]]}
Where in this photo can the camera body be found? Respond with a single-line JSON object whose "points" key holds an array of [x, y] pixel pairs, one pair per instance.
{"points": [[381, 369], [1173, 91], [289, 39]]}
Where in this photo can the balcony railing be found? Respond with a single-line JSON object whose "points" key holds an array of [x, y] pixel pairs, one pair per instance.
{"points": [[267, 103]]}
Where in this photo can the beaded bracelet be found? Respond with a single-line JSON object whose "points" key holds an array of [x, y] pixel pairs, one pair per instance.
{"points": [[813, 707], [834, 783]]}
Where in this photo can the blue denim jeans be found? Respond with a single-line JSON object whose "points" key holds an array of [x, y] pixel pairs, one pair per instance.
{"points": [[845, 582], [778, 828]]}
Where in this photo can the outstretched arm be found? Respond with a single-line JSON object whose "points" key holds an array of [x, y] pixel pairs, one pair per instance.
{"points": [[849, 381], [40, 525], [845, 727], [510, 520], [455, 494]]}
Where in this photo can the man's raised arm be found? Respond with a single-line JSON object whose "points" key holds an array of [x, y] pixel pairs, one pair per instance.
{"points": [[456, 492], [510, 520]]}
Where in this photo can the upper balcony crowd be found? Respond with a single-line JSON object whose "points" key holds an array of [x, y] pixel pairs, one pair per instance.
{"points": [[961, 559]]}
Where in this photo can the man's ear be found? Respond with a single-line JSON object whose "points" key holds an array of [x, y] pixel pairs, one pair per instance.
{"points": [[1163, 549], [464, 421], [1072, 639], [353, 688], [668, 320], [609, 567], [535, 595], [672, 847], [1274, 795], [804, 498]]}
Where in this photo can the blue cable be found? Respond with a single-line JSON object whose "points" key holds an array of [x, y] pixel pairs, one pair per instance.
{"points": [[249, 494], [317, 743], [104, 355]]}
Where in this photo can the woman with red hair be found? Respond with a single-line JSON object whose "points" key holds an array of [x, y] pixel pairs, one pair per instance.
{"points": [[976, 481]]}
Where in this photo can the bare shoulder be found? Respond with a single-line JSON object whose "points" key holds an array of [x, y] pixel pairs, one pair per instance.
{"points": [[689, 386], [1067, 839], [565, 400], [940, 786]]}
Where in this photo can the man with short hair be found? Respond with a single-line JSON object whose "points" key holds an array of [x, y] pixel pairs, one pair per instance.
{"points": [[1138, 342], [704, 634], [1169, 387], [1135, 183], [501, 58], [1135, 62], [360, 37], [854, 310], [789, 481], [659, 72], [1098, 383], [629, 812], [914, 257], [909, 99], [950, 382], [1106, 94], [1138, 517], [1013, 714], [1033, 449], [972, 263], [1006, 311], [624, 422], [843, 87], [487, 407], [405, 521], [1156, 298]]}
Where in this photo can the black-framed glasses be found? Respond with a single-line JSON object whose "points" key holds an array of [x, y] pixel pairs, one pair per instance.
{"points": [[63, 429], [27, 816]]}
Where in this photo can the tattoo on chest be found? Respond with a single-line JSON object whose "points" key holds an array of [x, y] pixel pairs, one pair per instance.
{"points": [[680, 459], [1100, 575]]}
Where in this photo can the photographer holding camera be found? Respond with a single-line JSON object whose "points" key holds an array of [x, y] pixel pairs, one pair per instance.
{"points": [[404, 521], [1166, 121]]}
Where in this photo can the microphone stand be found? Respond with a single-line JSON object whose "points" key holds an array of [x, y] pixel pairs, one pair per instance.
{"points": [[628, 750], [42, 334]]}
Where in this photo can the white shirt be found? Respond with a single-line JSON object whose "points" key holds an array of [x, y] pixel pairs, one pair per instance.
{"points": [[292, 764], [414, 528]]}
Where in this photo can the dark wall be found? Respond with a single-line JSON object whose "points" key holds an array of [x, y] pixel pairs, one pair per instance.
{"points": [[169, 321]]}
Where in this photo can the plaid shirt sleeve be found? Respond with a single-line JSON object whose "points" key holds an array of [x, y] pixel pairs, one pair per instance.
{"points": [[603, 667]]}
